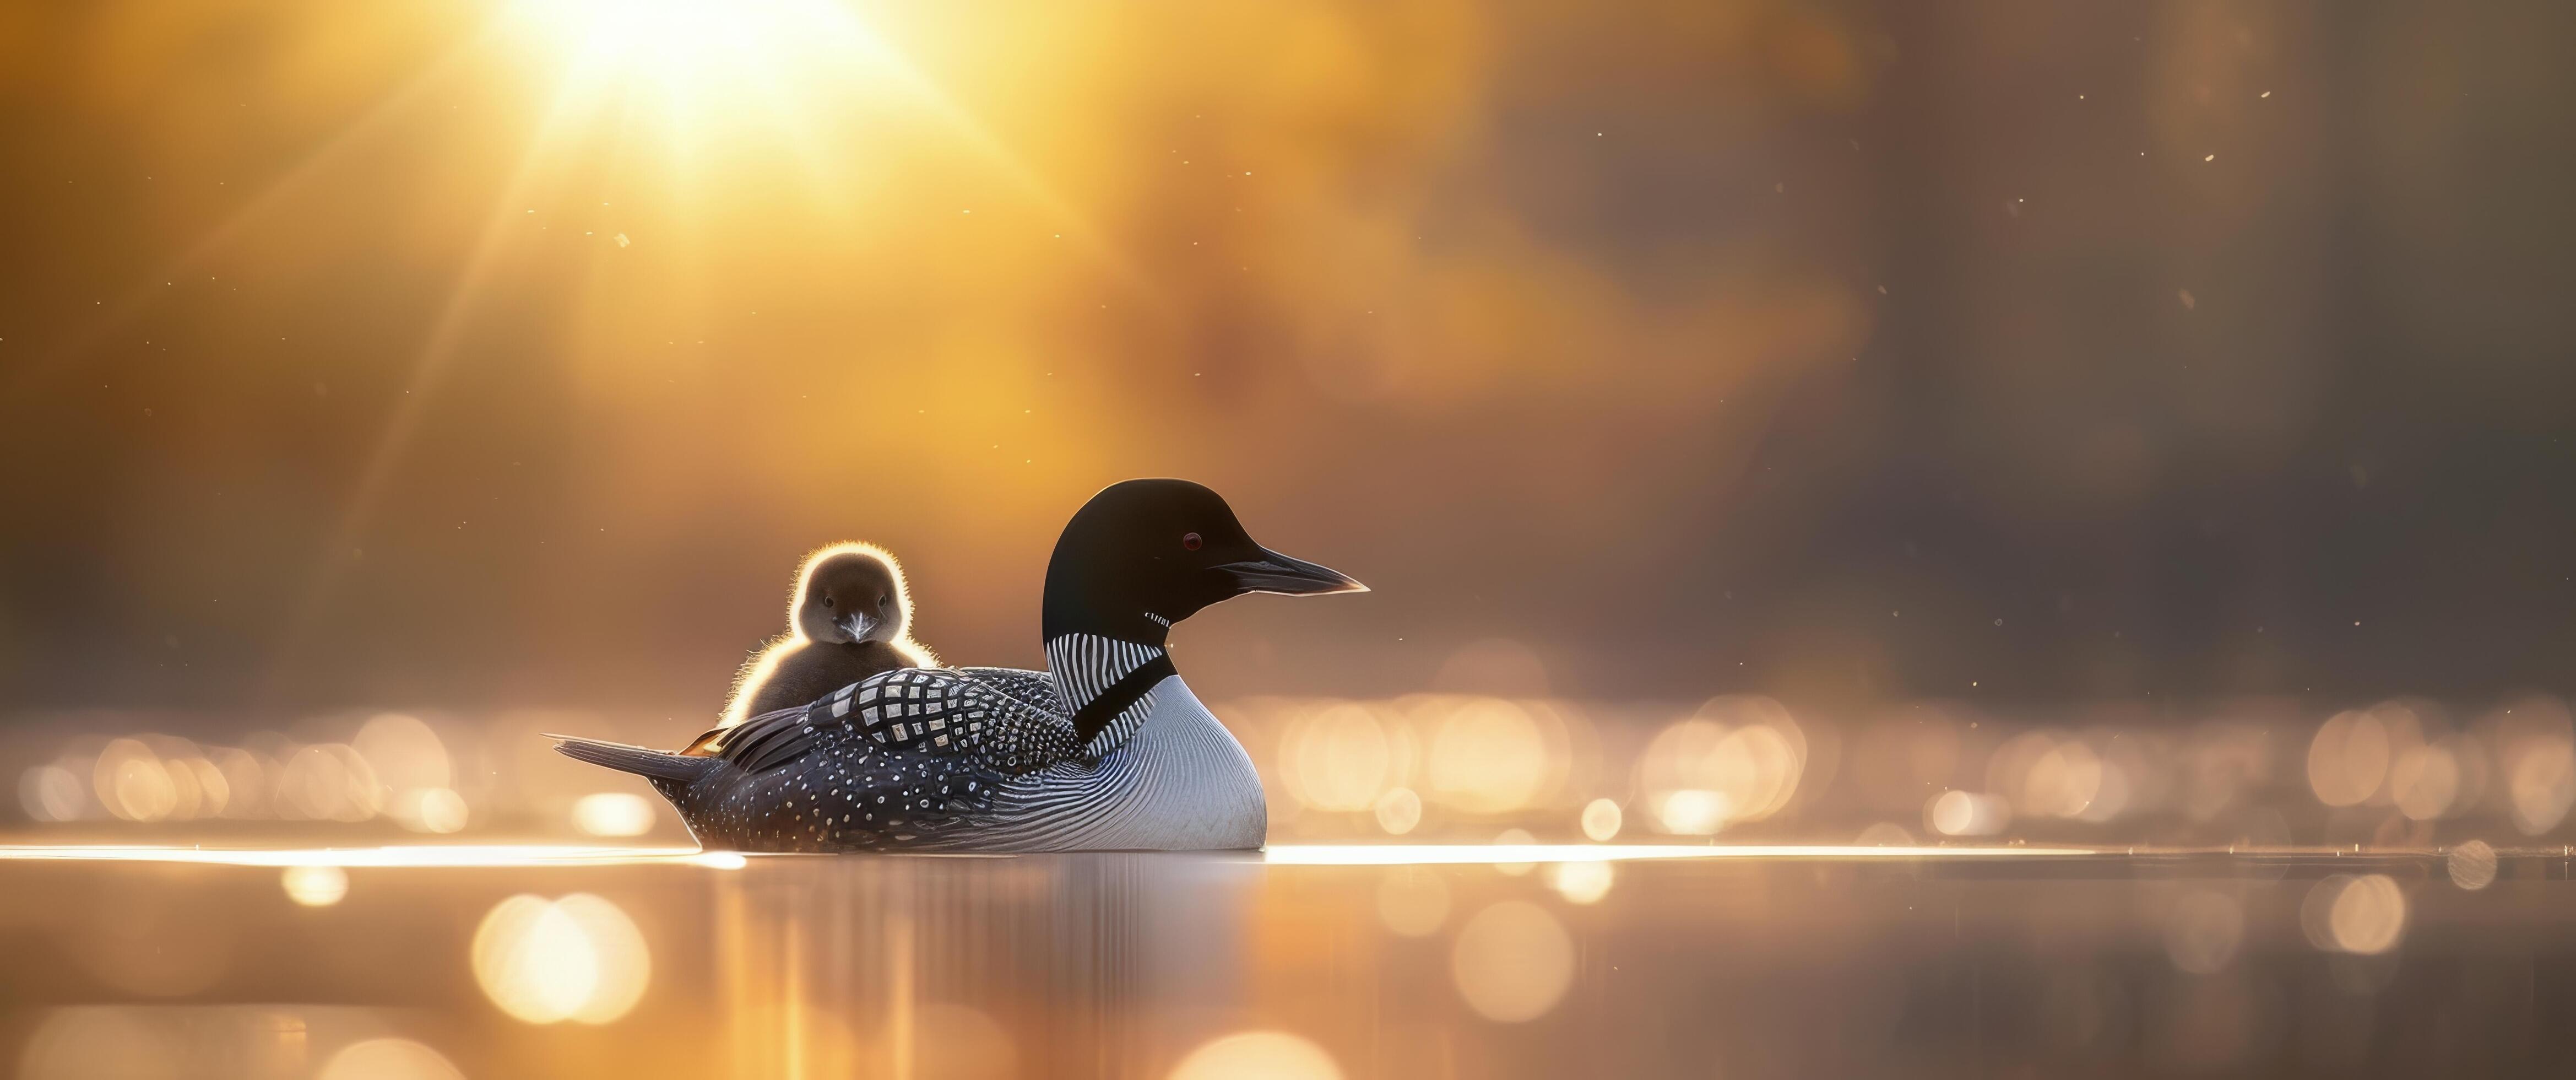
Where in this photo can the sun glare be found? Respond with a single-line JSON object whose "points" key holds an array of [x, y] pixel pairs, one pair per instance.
{"points": [[681, 38], [700, 56]]}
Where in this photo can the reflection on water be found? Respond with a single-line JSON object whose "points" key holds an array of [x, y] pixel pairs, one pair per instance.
{"points": [[389, 1059], [1512, 961], [578, 958], [314, 886], [1311, 961], [1450, 768], [1258, 1055]]}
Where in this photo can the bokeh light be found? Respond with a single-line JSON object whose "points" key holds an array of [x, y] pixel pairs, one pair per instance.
{"points": [[579, 958], [1601, 820], [1582, 882], [1527, 765], [403, 753], [2204, 931], [2542, 783], [314, 886], [131, 782], [1487, 757], [1738, 759], [1258, 1055], [2471, 864], [2046, 773], [2363, 914], [2348, 758], [102, 1043], [1512, 961], [1398, 811], [614, 813], [1967, 813], [429, 810], [2425, 781], [1514, 838], [1412, 901], [1692, 811], [1884, 834], [51, 792], [389, 1059], [1338, 758]]}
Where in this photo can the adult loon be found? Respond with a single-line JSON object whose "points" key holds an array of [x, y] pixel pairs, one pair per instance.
{"points": [[1105, 750], [850, 617]]}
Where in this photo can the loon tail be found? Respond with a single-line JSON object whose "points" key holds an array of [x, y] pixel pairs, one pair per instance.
{"points": [[655, 764]]}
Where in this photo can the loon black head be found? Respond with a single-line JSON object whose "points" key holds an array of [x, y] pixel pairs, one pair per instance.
{"points": [[850, 593], [1144, 554]]}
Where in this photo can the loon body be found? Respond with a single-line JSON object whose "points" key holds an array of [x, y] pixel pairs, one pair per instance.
{"points": [[1106, 750]]}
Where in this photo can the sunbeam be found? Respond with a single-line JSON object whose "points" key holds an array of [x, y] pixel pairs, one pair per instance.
{"points": [[404, 423], [704, 57], [275, 195]]}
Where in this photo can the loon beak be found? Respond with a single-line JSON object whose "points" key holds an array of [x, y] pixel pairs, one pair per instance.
{"points": [[1277, 573], [858, 625]]}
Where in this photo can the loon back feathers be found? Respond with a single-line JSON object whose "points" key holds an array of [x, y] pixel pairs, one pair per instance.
{"points": [[909, 758]]}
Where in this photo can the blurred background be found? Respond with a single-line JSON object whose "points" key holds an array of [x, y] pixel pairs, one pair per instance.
{"points": [[2058, 421], [2033, 428]]}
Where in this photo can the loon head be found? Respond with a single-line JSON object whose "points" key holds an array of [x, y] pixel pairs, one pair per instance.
{"points": [[1144, 554], [849, 593]]}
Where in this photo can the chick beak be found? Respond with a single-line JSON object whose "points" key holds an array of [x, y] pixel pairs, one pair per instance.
{"points": [[1277, 573], [858, 625]]}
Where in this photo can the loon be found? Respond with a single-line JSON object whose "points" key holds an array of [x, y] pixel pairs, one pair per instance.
{"points": [[1105, 750], [849, 618]]}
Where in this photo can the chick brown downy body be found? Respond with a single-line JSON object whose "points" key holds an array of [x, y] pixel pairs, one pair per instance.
{"points": [[849, 618]]}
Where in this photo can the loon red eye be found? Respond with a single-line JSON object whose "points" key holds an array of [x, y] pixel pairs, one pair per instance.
{"points": [[1189, 541]]}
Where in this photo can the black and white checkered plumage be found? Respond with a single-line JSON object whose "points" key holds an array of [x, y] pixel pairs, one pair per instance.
{"points": [[915, 758], [1108, 749]]}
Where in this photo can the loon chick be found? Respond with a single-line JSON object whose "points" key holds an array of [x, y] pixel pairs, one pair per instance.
{"points": [[1107, 749], [849, 618]]}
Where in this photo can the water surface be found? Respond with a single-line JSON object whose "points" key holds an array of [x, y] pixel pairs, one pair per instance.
{"points": [[1361, 961]]}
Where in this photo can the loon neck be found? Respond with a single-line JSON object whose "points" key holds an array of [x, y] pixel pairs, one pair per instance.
{"points": [[1066, 614], [1086, 665]]}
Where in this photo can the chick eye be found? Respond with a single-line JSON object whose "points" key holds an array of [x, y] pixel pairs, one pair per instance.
{"points": [[885, 601], [1189, 541], [827, 600]]}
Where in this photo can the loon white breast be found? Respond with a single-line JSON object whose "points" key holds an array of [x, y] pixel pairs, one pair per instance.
{"points": [[1179, 782], [1107, 749]]}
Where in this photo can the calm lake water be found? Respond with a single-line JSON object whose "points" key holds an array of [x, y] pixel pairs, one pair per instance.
{"points": [[1305, 962]]}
